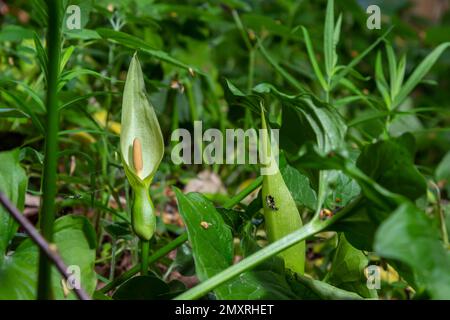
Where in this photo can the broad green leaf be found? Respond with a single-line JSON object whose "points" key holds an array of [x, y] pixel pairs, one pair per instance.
{"points": [[210, 238], [347, 269], [147, 287], [236, 97], [74, 237], [13, 184], [321, 123], [391, 164], [359, 227], [299, 187], [409, 236], [419, 73], [343, 189]]}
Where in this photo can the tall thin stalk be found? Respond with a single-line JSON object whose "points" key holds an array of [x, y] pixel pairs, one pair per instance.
{"points": [[47, 214], [145, 246]]}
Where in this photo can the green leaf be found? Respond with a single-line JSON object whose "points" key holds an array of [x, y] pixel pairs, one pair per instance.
{"points": [[15, 33], [347, 269], [326, 291], [236, 97], [322, 124], [328, 40], [400, 76], [74, 237], [211, 243], [343, 189], [391, 164], [147, 287], [409, 236], [337, 79], [32, 94], [419, 73], [313, 60], [13, 184], [336, 37], [392, 63], [359, 227], [212, 247], [41, 54], [280, 69], [65, 57], [138, 44], [381, 81], [299, 187]]}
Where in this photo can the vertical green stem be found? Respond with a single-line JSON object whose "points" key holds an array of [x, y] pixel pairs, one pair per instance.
{"points": [[47, 214], [112, 267], [145, 245]]}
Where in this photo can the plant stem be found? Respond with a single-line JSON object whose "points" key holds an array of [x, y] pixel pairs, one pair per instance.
{"points": [[179, 240], [47, 215], [113, 259], [145, 246]]}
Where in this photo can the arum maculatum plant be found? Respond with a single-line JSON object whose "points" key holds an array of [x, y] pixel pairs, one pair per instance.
{"points": [[281, 215], [142, 149]]}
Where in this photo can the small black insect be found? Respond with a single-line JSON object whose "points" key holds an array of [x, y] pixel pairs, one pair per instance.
{"points": [[270, 201]]}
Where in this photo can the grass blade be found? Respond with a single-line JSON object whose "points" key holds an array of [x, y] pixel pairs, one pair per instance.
{"points": [[381, 81], [358, 59], [336, 36], [392, 62], [420, 72], [312, 58], [400, 76], [328, 39], [280, 69]]}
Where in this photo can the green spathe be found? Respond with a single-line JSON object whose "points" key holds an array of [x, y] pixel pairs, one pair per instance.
{"points": [[280, 211], [141, 144]]}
